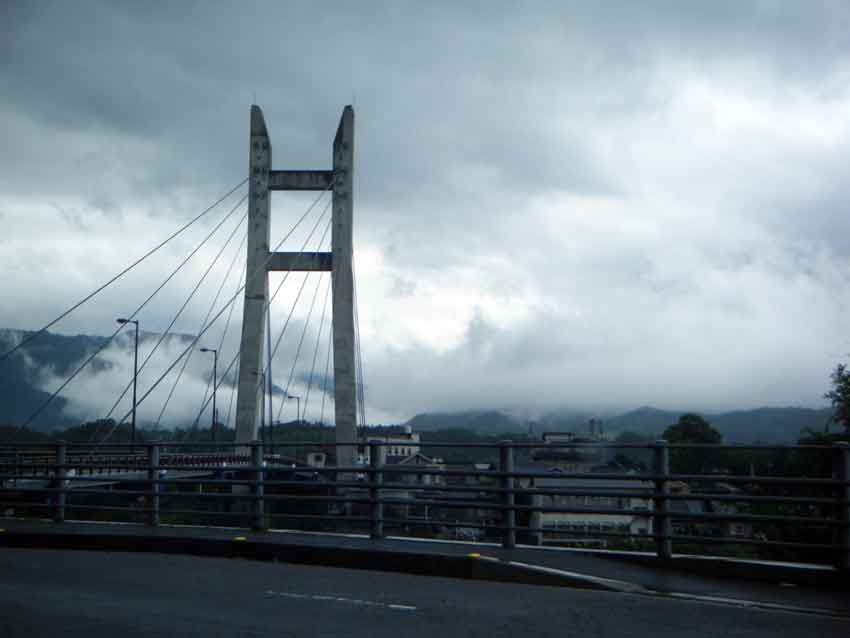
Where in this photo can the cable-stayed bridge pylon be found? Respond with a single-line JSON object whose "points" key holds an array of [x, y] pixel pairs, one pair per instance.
{"points": [[263, 180]]}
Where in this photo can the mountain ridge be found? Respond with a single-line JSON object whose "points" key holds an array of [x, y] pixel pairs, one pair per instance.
{"points": [[21, 375], [763, 424]]}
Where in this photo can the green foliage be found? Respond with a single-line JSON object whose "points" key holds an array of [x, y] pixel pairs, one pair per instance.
{"points": [[692, 428], [94, 431], [770, 425], [816, 462], [633, 458], [811, 437], [632, 437], [14, 434], [840, 396], [462, 455], [628, 462]]}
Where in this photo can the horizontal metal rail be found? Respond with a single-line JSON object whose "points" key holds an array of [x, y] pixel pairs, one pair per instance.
{"points": [[805, 513], [103, 448], [390, 487], [481, 474]]}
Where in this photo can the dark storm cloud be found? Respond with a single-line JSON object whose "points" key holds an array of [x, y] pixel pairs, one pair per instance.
{"points": [[570, 190]]}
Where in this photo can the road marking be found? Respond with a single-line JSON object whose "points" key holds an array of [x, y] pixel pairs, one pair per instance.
{"points": [[755, 604], [341, 599], [626, 587], [573, 578]]}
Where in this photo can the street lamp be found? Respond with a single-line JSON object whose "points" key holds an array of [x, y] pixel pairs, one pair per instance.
{"points": [[135, 376], [297, 407], [215, 374]]}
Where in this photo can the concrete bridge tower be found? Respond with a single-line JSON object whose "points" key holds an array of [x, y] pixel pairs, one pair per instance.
{"points": [[260, 261]]}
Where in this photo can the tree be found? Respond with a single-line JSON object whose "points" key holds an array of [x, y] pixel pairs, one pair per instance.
{"points": [[14, 434], [692, 428], [840, 396], [634, 456]]}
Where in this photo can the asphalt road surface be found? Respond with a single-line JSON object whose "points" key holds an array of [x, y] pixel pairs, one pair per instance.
{"points": [[105, 594]]}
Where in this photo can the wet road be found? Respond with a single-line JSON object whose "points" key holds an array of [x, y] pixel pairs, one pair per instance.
{"points": [[79, 593]]}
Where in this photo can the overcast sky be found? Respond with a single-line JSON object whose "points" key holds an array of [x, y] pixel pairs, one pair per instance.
{"points": [[588, 205]]}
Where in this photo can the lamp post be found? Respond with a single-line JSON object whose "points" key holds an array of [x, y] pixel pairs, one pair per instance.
{"points": [[297, 407], [135, 376], [215, 374]]}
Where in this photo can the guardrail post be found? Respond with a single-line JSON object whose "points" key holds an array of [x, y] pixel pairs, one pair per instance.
{"points": [[60, 483], [259, 523], [661, 517], [535, 521], [376, 507], [842, 473], [153, 485], [506, 464]]}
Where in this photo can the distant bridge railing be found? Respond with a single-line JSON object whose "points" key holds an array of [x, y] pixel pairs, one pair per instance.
{"points": [[528, 493]]}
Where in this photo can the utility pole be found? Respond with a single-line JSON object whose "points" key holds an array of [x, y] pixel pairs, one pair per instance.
{"points": [[215, 384], [297, 407], [135, 377]]}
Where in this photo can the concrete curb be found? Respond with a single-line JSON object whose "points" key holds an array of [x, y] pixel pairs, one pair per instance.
{"points": [[750, 570], [470, 566]]}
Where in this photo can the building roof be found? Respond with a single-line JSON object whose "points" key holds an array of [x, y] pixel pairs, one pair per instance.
{"points": [[597, 485]]}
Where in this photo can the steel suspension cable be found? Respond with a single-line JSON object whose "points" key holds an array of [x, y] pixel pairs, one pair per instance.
{"points": [[298, 349], [306, 276], [267, 310], [289, 316], [259, 269], [264, 427], [316, 351], [129, 317], [179, 312], [115, 278], [234, 385], [273, 297], [220, 343], [224, 281]]}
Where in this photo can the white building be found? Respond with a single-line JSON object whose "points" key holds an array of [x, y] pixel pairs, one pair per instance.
{"points": [[396, 447]]}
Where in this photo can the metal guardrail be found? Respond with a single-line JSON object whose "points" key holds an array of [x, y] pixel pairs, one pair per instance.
{"points": [[506, 501]]}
